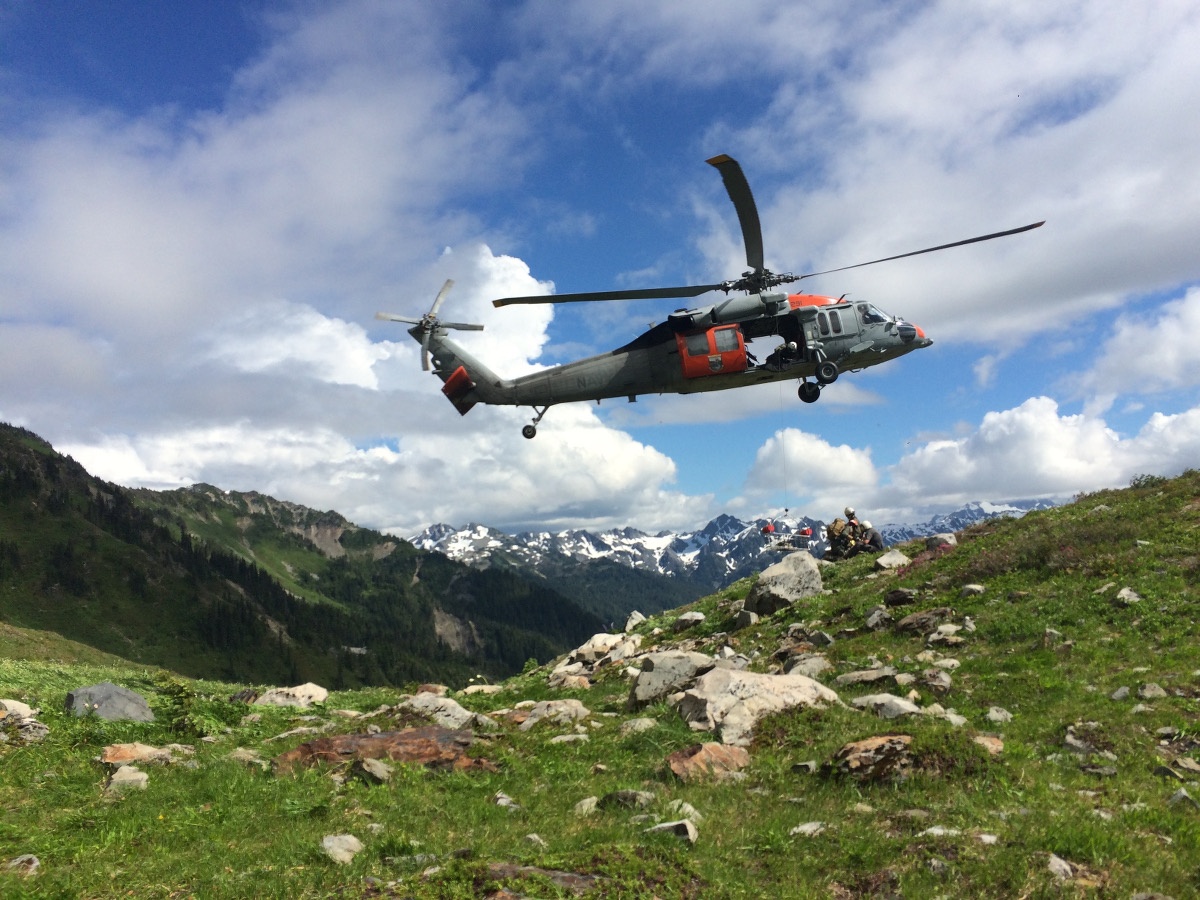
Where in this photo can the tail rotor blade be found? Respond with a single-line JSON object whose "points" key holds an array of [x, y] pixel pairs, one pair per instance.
{"points": [[743, 201]]}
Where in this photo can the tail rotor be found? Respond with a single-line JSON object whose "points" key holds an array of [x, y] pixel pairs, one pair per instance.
{"points": [[429, 323]]}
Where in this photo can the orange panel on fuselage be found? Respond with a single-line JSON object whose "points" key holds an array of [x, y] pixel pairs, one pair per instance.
{"points": [[720, 350]]}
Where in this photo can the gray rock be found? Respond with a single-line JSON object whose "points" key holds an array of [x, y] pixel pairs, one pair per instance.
{"points": [[865, 676], [126, 778], [972, 590], [893, 559], [1060, 868], [635, 619], [733, 702], [1151, 691], [745, 619], [886, 706], [110, 702], [878, 618], [666, 672], [1121, 693], [811, 665], [303, 696], [688, 620], [1127, 597], [446, 711], [682, 829], [561, 712], [934, 541], [372, 771], [999, 714], [626, 799], [633, 726], [26, 865], [793, 578], [341, 848]]}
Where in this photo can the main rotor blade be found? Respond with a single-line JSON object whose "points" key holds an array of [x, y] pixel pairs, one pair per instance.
{"points": [[974, 240], [743, 201], [425, 350], [437, 301], [392, 317], [461, 326], [636, 294]]}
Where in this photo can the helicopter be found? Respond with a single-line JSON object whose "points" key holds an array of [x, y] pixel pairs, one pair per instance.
{"points": [[696, 349]]}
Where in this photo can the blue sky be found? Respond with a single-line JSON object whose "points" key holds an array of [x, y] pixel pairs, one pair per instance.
{"points": [[203, 205]]}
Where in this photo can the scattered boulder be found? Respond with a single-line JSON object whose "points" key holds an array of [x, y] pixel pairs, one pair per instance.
{"points": [[711, 760], [684, 829], [633, 726], [874, 758], [666, 672], [303, 696], [886, 706], [341, 848], [110, 702], [893, 559], [810, 665], [117, 755], [561, 712], [793, 578], [26, 865], [938, 541], [732, 702], [924, 622], [433, 746], [745, 619], [446, 711], [900, 597], [866, 676], [635, 619], [126, 778], [688, 620], [626, 799]]}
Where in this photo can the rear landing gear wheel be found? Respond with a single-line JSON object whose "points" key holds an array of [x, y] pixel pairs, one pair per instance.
{"points": [[827, 372], [529, 432], [809, 392]]}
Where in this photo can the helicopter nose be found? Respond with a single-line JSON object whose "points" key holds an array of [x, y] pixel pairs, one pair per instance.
{"points": [[909, 333]]}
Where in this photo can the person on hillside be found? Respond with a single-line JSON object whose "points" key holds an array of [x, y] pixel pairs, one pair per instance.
{"points": [[869, 540]]}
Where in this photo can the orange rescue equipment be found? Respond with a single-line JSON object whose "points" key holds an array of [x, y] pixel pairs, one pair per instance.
{"points": [[720, 350]]}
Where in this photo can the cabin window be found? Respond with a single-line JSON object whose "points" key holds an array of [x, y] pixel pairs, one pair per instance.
{"points": [[726, 339], [870, 315], [697, 344], [823, 321], [836, 321]]}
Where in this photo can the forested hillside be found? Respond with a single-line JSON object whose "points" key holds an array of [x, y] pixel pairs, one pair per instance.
{"points": [[206, 588]]}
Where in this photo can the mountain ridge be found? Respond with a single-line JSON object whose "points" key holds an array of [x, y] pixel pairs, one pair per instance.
{"points": [[723, 551]]}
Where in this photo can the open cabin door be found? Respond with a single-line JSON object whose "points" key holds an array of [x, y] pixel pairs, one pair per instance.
{"points": [[720, 350]]}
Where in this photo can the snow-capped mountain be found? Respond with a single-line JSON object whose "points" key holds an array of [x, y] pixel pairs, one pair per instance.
{"points": [[720, 553], [961, 518], [723, 551]]}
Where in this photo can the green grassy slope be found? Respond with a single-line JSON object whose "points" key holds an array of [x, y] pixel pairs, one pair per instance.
{"points": [[1052, 645]]}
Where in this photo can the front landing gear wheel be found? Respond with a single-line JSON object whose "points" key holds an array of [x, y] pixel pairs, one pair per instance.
{"points": [[827, 372], [529, 432], [810, 392]]}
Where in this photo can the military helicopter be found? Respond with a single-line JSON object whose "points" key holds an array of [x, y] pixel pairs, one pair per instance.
{"points": [[694, 350]]}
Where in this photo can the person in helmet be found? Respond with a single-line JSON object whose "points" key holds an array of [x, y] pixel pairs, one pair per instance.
{"points": [[869, 540]]}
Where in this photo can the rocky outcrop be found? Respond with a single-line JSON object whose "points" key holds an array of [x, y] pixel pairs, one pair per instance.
{"points": [[110, 702], [790, 580], [731, 702]]}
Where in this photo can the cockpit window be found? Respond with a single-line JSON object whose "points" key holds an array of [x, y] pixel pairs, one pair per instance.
{"points": [[871, 315]]}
